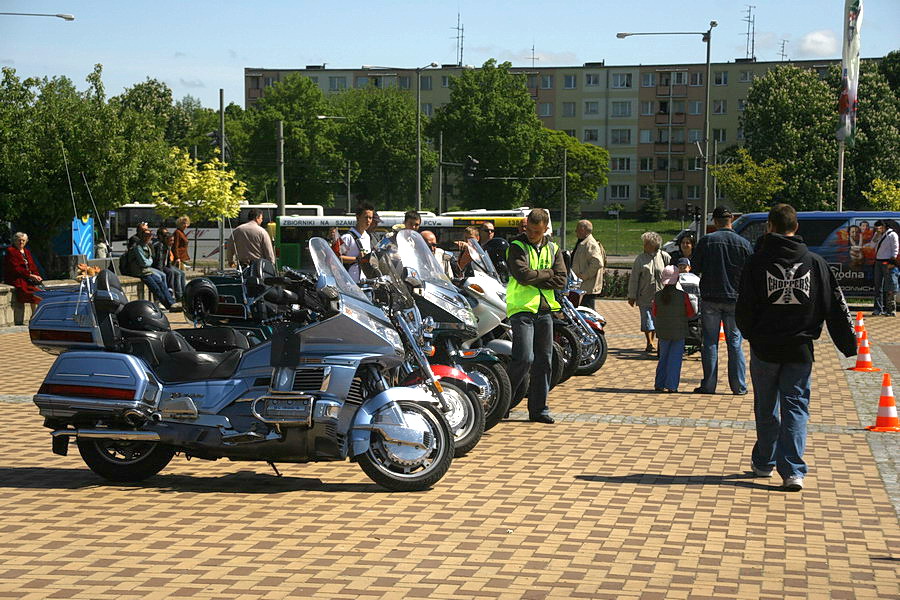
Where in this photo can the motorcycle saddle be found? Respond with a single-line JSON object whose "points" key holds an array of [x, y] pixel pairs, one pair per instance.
{"points": [[214, 339], [173, 359]]}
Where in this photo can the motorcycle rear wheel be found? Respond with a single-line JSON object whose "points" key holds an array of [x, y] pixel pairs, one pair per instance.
{"points": [[119, 460], [466, 418], [499, 392], [571, 350], [593, 359], [377, 463]]}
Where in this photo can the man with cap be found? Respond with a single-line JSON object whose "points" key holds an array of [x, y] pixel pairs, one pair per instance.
{"points": [[719, 259]]}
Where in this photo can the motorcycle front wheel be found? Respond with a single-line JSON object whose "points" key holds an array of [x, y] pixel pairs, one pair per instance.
{"points": [[499, 393], [557, 365], [392, 471], [466, 417], [593, 357], [119, 460]]}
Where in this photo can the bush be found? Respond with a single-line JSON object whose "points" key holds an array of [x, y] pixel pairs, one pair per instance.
{"points": [[615, 283]]}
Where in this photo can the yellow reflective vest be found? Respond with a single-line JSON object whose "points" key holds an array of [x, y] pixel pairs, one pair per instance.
{"points": [[527, 298]]}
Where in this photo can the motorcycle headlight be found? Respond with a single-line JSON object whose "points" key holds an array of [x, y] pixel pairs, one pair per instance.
{"points": [[385, 331]]}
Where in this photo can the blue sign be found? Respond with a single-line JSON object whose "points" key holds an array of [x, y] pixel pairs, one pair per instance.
{"points": [[83, 237]]}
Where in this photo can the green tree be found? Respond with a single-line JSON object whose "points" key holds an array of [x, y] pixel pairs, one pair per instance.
{"points": [[378, 135], [884, 195], [791, 119], [654, 209], [587, 167], [890, 68], [751, 186], [312, 157], [491, 117]]}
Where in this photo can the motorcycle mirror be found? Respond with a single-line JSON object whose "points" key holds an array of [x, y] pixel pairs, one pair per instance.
{"points": [[411, 277], [330, 292]]}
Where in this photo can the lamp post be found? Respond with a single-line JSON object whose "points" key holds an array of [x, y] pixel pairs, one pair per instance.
{"points": [[707, 37], [419, 133], [64, 17]]}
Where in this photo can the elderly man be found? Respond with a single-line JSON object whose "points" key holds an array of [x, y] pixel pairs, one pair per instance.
{"points": [[250, 241], [445, 259], [588, 262]]}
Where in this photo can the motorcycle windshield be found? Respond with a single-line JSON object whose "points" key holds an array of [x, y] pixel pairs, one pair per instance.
{"points": [[414, 253], [327, 264], [481, 260]]}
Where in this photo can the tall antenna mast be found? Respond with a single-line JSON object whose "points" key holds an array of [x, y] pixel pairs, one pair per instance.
{"points": [[750, 19], [783, 53], [533, 57], [459, 41]]}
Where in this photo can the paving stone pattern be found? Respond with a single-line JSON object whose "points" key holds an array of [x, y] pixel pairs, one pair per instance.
{"points": [[632, 494]]}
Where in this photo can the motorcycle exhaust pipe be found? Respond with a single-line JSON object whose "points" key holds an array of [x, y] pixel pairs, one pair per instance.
{"points": [[108, 434]]}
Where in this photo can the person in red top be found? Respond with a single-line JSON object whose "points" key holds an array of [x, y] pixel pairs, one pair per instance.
{"points": [[671, 308], [20, 270], [182, 258]]}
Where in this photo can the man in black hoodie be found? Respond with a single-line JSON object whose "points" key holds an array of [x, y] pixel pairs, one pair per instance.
{"points": [[786, 293]]}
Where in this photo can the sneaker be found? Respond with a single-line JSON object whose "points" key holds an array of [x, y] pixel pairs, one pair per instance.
{"points": [[875, 314], [793, 484], [760, 472], [700, 390], [649, 348]]}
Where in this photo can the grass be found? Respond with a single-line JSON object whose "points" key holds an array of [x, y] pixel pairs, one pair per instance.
{"points": [[628, 240]]}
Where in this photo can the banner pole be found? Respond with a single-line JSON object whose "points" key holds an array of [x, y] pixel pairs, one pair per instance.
{"points": [[840, 185]]}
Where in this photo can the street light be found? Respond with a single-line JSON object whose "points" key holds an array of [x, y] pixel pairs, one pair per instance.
{"points": [[64, 17], [707, 37]]}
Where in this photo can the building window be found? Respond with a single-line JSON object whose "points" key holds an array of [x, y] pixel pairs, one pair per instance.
{"points": [[427, 109], [647, 163], [646, 192], [621, 80], [362, 82], [720, 78], [677, 163], [337, 83], [270, 81], [720, 107], [645, 136], [662, 163], [648, 79], [695, 107], [591, 135], [695, 163], [619, 192], [742, 104], [621, 108], [545, 109], [696, 78], [693, 192], [662, 136], [592, 79], [568, 109], [570, 82], [546, 82], [621, 164], [619, 136], [315, 80], [569, 132], [531, 82], [426, 82], [740, 134], [718, 135], [676, 192], [404, 82], [695, 135], [592, 108], [679, 78], [678, 136], [647, 107], [445, 81], [746, 76]]}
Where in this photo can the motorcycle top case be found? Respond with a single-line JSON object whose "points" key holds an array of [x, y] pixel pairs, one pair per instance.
{"points": [[64, 322]]}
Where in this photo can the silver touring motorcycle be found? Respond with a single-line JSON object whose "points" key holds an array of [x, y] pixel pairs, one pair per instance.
{"points": [[133, 393]]}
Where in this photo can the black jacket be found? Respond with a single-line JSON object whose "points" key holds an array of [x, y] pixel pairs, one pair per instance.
{"points": [[786, 293]]}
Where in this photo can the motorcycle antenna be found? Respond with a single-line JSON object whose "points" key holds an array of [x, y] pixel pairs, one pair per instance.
{"points": [[102, 228], [69, 178]]}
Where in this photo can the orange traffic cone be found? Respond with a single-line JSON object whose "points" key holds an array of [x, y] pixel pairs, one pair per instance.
{"points": [[859, 327], [721, 331], [863, 358], [887, 410]]}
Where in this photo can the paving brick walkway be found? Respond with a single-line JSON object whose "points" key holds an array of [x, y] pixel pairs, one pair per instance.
{"points": [[632, 494]]}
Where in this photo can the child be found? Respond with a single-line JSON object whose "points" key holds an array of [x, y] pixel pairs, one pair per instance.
{"points": [[671, 310]]}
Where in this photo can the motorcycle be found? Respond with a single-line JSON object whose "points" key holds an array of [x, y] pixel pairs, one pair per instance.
{"points": [[133, 393]]}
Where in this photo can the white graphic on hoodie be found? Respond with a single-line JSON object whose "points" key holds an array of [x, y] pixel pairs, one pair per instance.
{"points": [[788, 285]]}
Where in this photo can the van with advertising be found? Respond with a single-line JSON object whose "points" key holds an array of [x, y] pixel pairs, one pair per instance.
{"points": [[846, 240]]}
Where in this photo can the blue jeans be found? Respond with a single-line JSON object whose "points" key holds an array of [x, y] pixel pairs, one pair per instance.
{"points": [[711, 314], [532, 353], [175, 280], [884, 285], [156, 283], [668, 370], [781, 406]]}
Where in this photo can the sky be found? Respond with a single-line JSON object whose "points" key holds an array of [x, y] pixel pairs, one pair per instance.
{"points": [[199, 47]]}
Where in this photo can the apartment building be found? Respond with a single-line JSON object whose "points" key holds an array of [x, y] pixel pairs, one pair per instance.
{"points": [[649, 117]]}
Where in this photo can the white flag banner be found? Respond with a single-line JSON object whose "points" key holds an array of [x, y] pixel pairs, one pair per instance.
{"points": [[849, 101]]}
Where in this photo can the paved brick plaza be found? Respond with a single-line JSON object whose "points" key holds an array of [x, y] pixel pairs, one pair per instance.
{"points": [[632, 494]]}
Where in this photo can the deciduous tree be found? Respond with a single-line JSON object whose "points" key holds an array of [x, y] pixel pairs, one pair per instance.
{"points": [[751, 186]]}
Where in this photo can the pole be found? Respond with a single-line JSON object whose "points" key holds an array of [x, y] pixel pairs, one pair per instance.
{"points": [[440, 171], [840, 187], [349, 210], [701, 228], [279, 160], [418, 139], [222, 151], [564, 207], [715, 179]]}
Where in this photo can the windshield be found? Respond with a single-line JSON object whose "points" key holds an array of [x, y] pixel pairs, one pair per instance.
{"points": [[414, 253], [481, 260], [327, 264]]}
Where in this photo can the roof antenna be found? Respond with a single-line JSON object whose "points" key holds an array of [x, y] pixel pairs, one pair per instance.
{"points": [[459, 40], [750, 19], [115, 263], [783, 54]]}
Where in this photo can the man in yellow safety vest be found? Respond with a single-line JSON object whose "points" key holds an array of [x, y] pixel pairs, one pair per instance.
{"points": [[536, 269]]}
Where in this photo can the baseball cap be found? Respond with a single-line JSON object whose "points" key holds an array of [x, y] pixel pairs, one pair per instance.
{"points": [[721, 212], [684, 261], [670, 275]]}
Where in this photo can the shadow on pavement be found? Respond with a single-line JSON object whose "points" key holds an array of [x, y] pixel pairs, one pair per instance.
{"points": [[746, 479], [242, 482], [631, 354]]}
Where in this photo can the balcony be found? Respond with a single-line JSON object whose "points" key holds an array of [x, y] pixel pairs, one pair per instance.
{"points": [[677, 147], [663, 118], [671, 91], [674, 175]]}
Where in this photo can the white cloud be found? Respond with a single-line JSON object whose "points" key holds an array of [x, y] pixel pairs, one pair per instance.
{"points": [[817, 44], [180, 55], [191, 83], [7, 61]]}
